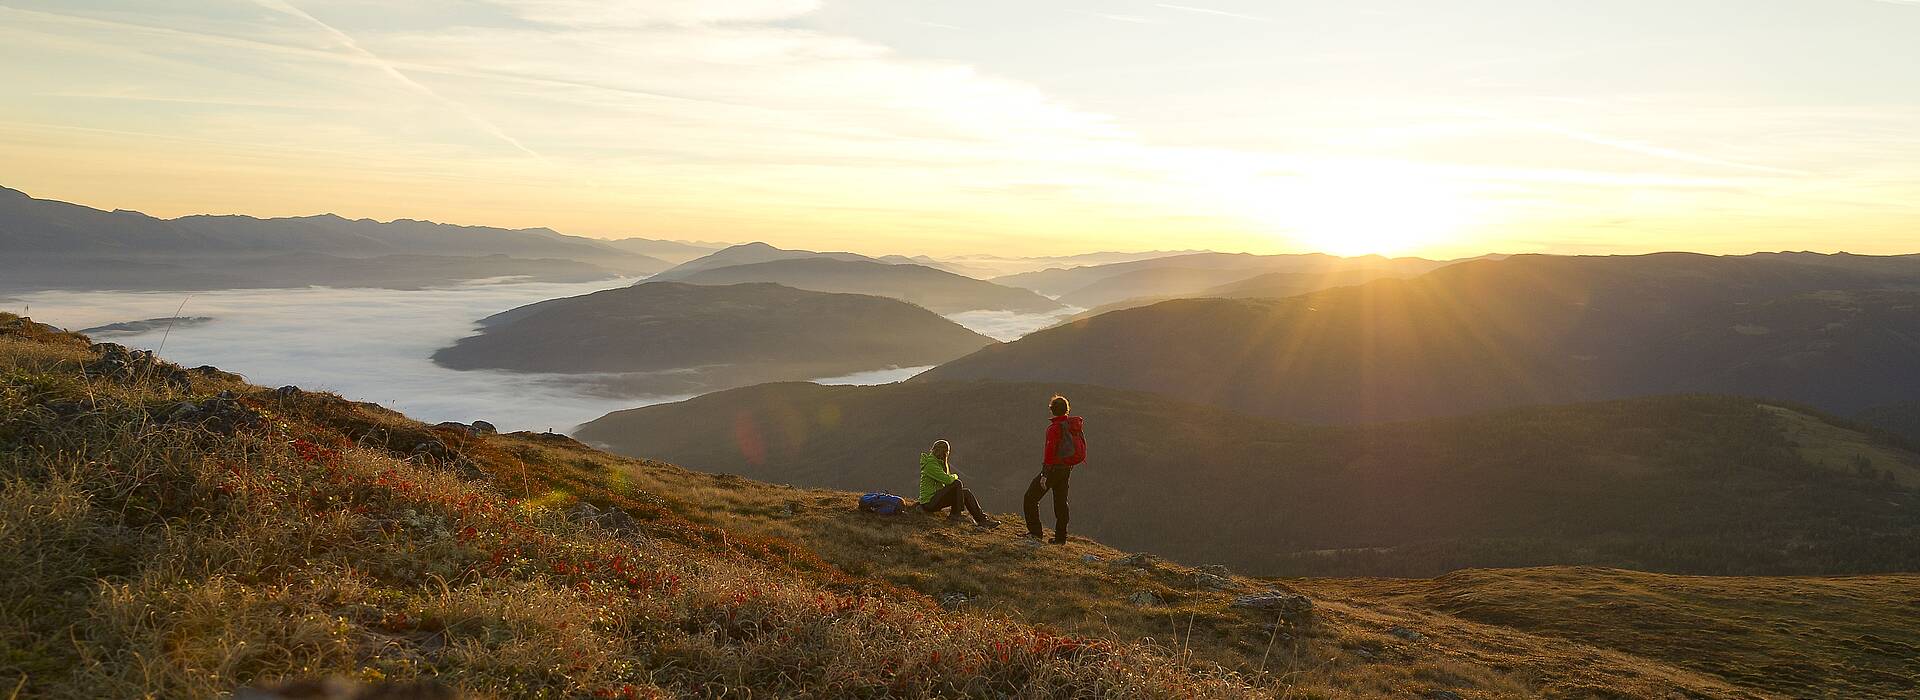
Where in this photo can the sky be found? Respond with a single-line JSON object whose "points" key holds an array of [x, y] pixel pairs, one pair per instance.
{"points": [[947, 127]]}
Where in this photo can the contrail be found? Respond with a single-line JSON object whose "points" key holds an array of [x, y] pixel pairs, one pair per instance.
{"points": [[1210, 11], [287, 8], [1631, 146]]}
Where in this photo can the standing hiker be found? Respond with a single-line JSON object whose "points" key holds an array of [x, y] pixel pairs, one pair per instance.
{"points": [[941, 488], [1066, 446]]}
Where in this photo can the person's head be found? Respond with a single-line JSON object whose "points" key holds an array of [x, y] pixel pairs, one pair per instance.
{"points": [[1059, 406], [941, 449]]}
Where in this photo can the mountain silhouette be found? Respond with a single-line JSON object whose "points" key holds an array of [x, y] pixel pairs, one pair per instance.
{"points": [[1837, 332]]}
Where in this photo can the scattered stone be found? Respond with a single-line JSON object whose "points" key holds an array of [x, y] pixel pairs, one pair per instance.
{"points": [[1288, 605], [1219, 570], [484, 428], [1406, 634], [287, 392], [1145, 599], [1137, 561], [1090, 558], [1031, 543], [953, 601], [221, 414], [121, 364], [1214, 582], [611, 518]]}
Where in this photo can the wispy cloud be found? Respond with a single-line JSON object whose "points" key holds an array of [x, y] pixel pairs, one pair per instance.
{"points": [[642, 13], [288, 8], [1632, 146], [1130, 19], [1211, 11]]}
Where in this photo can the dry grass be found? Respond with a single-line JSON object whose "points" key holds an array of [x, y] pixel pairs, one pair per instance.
{"points": [[150, 557]]}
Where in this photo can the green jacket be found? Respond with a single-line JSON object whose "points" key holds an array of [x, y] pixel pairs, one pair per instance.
{"points": [[933, 476]]}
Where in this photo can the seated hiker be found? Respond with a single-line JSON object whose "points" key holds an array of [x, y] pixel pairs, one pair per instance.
{"points": [[940, 487]]}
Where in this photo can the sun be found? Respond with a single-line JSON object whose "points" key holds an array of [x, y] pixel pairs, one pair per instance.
{"points": [[1355, 209]]}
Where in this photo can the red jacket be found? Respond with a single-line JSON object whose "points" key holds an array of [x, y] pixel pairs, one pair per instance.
{"points": [[1074, 427]]}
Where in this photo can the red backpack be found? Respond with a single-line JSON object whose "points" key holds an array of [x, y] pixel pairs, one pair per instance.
{"points": [[1071, 448]]}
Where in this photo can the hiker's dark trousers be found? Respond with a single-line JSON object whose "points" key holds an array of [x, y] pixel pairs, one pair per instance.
{"points": [[954, 496], [1050, 479]]}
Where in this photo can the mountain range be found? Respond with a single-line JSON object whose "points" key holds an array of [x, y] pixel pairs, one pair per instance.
{"points": [[1177, 275], [52, 244], [1837, 332]]}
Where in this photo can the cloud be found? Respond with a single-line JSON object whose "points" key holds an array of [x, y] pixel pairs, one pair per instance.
{"points": [[288, 8], [375, 344], [1211, 11], [642, 13]]}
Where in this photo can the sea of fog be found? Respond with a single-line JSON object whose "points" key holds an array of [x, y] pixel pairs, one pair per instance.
{"points": [[375, 344]]}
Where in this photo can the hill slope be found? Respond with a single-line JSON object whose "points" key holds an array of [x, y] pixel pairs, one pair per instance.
{"points": [[158, 550], [1525, 330], [748, 254], [938, 290], [674, 338], [1685, 484]]}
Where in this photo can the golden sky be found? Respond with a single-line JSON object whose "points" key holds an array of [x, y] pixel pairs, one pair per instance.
{"points": [[994, 126]]}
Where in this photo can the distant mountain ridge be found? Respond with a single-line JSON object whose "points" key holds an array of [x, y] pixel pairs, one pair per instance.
{"points": [[1838, 332], [1100, 284], [938, 290], [43, 240]]}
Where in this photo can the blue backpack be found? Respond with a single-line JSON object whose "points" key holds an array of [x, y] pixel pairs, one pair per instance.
{"points": [[882, 503]]}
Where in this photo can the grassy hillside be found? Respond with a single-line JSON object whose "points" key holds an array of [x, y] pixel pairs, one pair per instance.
{"points": [[1836, 332], [176, 533], [1685, 484], [937, 290], [668, 337], [1902, 419]]}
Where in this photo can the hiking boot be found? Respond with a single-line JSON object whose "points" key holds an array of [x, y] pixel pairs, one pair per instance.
{"points": [[1059, 538], [986, 523], [957, 516], [1031, 535]]}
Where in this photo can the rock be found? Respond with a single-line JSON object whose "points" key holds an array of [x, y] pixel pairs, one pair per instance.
{"points": [[1210, 581], [1289, 605], [1137, 561], [1406, 634], [1145, 599], [484, 428], [121, 364], [1090, 558], [611, 518], [212, 372], [953, 601], [1030, 543], [221, 414], [1219, 570], [287, 392]]}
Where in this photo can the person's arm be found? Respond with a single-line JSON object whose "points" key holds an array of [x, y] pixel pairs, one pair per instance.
{"points": [[937, 471]]}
